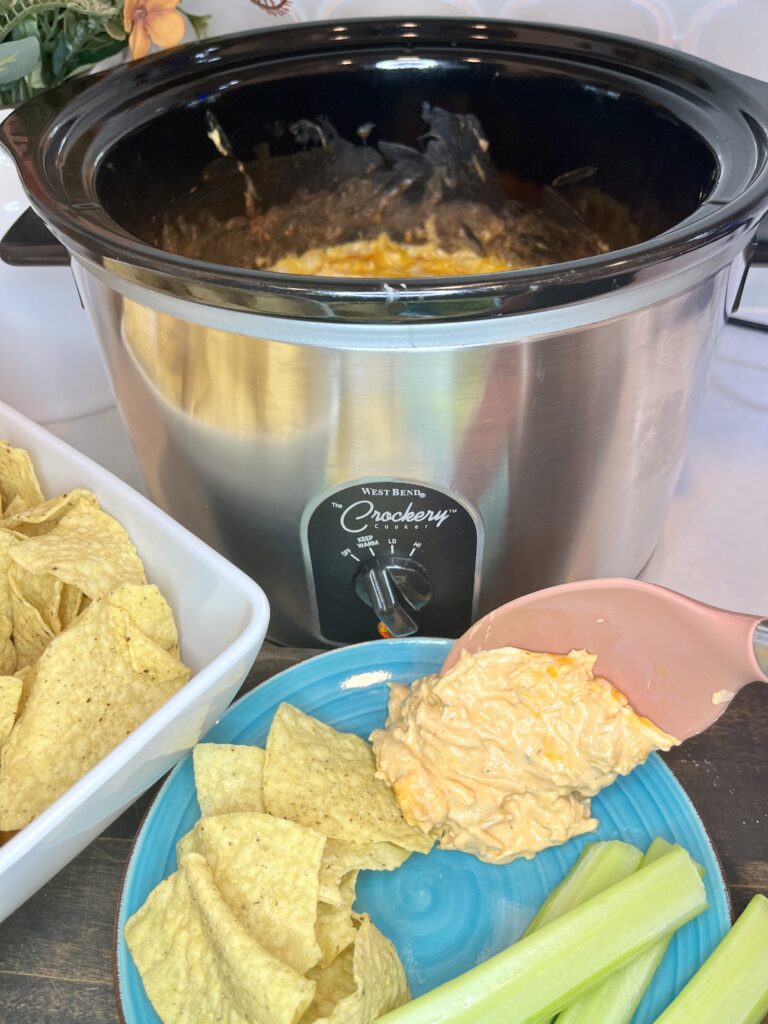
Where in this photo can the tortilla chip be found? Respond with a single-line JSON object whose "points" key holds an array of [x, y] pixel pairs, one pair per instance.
{"points": [[335, 930], [326, 780], [378, 983], [42, 591], [267, 870], [7, 649], [10, 695], [17, 477], [25, 676], [69, 606], [151, 613], [333, 982], [199, 964], [94, 683], [167, 941], [31, 635], [228, 778], [87, 549], [187, 844], [339, 858], [14, 507], [265, 988], [41, 518]]}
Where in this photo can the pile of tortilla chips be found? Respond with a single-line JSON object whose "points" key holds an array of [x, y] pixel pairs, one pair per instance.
{"points": [[88, 649], [256, 924]]}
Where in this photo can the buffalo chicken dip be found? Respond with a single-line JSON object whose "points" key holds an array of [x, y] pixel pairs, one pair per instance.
{"points": [[501, 754]]}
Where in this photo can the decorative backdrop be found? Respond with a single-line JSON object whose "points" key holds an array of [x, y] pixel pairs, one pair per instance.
{"points": [[730, 32]]}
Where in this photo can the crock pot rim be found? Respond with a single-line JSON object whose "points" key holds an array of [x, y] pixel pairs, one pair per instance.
{"points": [[86, 228]]}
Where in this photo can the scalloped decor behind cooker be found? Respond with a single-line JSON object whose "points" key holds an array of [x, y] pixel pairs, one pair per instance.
{"points": [[729, 32]]}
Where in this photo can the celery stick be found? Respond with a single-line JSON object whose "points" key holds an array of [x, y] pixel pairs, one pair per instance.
{"points": [[599, 865], [615, 1001], [732, 985], [546, 971]]}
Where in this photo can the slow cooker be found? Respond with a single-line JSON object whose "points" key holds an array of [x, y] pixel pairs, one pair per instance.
{"points": [[392, 456]]}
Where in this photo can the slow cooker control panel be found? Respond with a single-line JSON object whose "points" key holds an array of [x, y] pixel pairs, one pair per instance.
{"points": [[391, 558]]}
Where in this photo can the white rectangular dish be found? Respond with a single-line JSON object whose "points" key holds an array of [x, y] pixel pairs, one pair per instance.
{"points": [[222, 617]]}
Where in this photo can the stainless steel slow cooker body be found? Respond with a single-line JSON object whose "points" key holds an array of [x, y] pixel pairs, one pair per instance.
{"points": [[430, 448]]}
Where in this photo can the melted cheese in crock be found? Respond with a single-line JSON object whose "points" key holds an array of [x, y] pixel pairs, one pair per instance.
{"points": [[383, 257]]}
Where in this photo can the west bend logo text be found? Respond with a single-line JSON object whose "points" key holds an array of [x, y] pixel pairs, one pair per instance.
{"points": [[363, 515]]}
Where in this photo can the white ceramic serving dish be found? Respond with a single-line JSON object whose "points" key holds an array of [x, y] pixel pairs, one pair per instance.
{"points": [[222, 617]]}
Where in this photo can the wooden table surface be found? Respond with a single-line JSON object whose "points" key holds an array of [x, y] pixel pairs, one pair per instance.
{"points": [[56, 961]]}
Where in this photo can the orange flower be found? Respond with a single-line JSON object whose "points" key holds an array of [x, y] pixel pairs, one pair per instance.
{"points": [[152, 21]]}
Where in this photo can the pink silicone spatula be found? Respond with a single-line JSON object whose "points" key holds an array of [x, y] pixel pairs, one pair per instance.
{"points": [[678, 661]]}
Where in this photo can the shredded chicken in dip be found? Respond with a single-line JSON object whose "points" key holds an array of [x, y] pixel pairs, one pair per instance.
{"points": [[502, 753]]}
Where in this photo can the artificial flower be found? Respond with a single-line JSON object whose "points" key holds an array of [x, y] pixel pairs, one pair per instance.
{"points": [[152, 21]]}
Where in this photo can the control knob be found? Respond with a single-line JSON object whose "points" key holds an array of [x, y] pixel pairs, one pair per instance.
{"points": [[393, 585]]}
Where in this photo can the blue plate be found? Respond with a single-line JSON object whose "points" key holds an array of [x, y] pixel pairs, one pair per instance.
{"points": [[447, 911]]}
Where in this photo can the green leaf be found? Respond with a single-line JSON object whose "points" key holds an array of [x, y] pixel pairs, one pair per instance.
{"points": [[199, 23], [72, 22], [26, 27], [14, 12], [114, 29], [18, 58], [98, 49]]}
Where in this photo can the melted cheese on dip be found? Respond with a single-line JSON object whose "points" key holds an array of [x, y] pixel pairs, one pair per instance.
{"points": [[383, 257], [501, 754]]}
